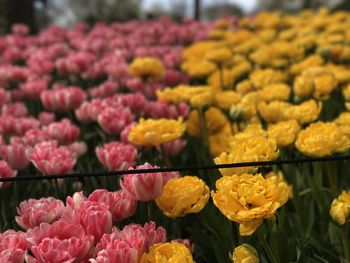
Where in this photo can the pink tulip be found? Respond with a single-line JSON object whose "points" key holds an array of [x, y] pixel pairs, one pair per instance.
{"points": [[183, 109], [13, 246], [106, 89], [33, 212], [11, 239], [119, 204], [75, 63], [125, 133], [116, 155], [135, 102], [75, 201], [102, 196], [160, 109], [12, 54], [82, 113], [124, 206], [119, 252], [117, 70], [65, 132], [50, 159], [113, 120], [146, 187], [7, 124], [60, 242], [15, 155], [135, 237], [94, 72], [33, 88], [173, 78], [94, 217], [149, 90], [22, 125], [64, 99], [17, 95], [20, 29], [174, 148], [45, 118], [135, 84], [35, 136], [78, 148], [111, 102], [89, 111], [6, 172], [13, 255], [171, 61], [5, 96], [143, 237], [11, 74], [16, 109], [40, 64]]}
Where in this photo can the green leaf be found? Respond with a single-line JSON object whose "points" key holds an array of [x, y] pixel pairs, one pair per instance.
{"points": [[334, 232]]}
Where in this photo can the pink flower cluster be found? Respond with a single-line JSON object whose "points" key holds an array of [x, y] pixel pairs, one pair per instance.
{"points": [[58, 90], [148, 186], [101, 53], [52, 148], [80, 231], [117, 111], [85, 71]]}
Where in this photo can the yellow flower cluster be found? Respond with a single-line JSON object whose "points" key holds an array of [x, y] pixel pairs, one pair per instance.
{"points": [[284, 132], [277, 111], [318, 82], [321, 139], [185, 93], [153, 132], [148, 68], [245, 254], [251, 145], [260, 71], [340, 208], [249, 199], [213, 124], [171, 252], [219, 56], [182, 196], [343, 123], [259, 89]]}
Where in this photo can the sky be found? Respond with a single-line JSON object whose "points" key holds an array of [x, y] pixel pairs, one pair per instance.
{"points": [[246, 5], [68, 17]]}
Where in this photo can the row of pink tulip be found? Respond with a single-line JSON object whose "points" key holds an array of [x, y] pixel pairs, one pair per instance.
{"points": [[55, 89], [61, 69], [80, 231]]}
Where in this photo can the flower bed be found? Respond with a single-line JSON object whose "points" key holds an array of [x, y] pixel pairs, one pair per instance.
{"points": [[143, 95]]}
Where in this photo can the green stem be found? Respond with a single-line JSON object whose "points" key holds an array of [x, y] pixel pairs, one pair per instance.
{"points": [[267, 248], [149, 210], [214, 232], [332, 178], [204, 128], [313, 183], [346, 244], [240, 238], [175, 229], [165, 157], [55, 186]]}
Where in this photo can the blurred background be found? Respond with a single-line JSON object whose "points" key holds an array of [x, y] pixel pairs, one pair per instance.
{"points": [[40, 13]]}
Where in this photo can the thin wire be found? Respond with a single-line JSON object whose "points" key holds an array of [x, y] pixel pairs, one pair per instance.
{"points": [[173, 169]]}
